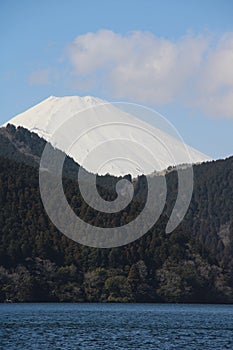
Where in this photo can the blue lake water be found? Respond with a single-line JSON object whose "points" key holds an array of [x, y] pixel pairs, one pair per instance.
{"points": [[115, 326]]}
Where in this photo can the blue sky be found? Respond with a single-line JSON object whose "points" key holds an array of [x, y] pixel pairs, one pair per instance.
{"points": [[174, 56]]}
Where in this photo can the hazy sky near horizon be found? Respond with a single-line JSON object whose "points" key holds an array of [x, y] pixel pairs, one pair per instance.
{"points": [[174, 56]]}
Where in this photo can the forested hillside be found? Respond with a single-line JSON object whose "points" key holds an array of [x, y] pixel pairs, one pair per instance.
{"points": [[38, 263]]}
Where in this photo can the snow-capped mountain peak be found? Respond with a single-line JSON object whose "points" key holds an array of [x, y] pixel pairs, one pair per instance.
{"points": [[104, 138]]}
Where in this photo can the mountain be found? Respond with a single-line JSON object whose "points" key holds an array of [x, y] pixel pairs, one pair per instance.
{"points": [[37, 263], [106, 138]]}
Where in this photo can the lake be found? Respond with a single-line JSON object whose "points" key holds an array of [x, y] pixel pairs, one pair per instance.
{"points": [[115, 326]]}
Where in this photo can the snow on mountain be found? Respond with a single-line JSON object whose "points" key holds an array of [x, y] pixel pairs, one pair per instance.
{"points": [[103, 138]]}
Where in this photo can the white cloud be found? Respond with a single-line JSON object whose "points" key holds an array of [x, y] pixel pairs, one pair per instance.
{"points": [[149, 69], [215, 84]]}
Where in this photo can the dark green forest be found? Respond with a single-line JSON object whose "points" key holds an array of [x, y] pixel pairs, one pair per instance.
{"points": [[38, 263]]}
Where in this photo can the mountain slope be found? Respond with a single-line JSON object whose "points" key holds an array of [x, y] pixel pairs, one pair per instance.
{"points": [[104, 138], [38, 263]]}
